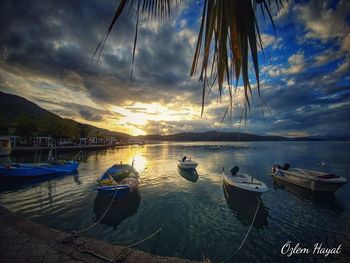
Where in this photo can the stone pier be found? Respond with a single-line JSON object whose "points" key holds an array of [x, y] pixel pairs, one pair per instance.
{"points": [[23, 240]]}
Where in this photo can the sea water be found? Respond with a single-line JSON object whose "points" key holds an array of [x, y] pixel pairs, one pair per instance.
{"points": [[198, 215]]}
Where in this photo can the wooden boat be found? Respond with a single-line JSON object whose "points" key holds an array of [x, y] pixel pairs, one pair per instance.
{"points": [[38, 169], [187, 164], [121, 177], [309, 179], [5, 146], [244, 182]]}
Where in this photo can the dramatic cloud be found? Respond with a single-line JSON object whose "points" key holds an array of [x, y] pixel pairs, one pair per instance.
{"points": [[88, 115], [46, 53]]}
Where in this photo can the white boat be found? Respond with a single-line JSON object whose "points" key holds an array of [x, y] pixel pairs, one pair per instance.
{"points": [[187, 164], [244, 182], [312, 180], [5, 146]]}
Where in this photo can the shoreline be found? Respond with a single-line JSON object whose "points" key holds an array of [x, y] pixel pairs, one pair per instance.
{"points": [[23, 240], [29, 149]]}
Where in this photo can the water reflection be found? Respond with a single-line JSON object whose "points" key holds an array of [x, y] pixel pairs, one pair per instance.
{"points": [[121, 208], [244, 206], [186, 210], [9, 184], [189, 175], [324, 200]]}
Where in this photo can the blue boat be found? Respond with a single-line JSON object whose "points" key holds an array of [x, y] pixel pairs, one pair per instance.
{"points": [[120, 177], [38, 169]]}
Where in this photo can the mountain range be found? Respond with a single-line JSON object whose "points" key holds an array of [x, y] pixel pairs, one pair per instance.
{"points": [[18, 113], [212, 136]]}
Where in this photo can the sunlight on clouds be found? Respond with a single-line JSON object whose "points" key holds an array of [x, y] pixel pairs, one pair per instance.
{"points": [[140, 114]]}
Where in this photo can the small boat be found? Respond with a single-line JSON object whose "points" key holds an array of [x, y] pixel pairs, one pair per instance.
{"points": [[312, 180], [245, 210], [187, 164], [38, 169], [121, 177], [244, 182], [5, 146]]}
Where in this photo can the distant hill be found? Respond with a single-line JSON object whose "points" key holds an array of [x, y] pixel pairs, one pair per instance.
{"points": [[212, 136], [20, 116], [234, 136]]}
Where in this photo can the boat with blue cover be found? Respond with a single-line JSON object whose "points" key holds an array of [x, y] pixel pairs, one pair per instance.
{"points": [[38, 169], [119, 177]]}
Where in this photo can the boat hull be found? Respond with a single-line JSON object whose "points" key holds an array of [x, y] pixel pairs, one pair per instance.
{"points": [[121, 190], [245, 184], [315, 185], [187, 165], [32, 170]]}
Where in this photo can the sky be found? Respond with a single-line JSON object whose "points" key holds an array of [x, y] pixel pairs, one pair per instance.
{"points": [[46, 50]]}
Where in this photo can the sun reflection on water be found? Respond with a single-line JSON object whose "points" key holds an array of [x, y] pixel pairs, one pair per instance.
{"points": [[140, 162]]}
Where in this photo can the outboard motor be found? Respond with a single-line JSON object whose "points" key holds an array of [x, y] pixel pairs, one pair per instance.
{"points": [[234, 170], [274, 168], [286, 166]]}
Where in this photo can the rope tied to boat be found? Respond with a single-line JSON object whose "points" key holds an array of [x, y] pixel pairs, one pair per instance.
{"points": [[244, 239], [103, 215], [119, 257]]}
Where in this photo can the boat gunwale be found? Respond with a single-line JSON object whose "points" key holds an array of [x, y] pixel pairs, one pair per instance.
{"points": [[245, 187], [309, 177]]}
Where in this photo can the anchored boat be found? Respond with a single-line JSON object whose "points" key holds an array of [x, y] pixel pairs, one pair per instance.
{"points": [[312, 180], [38, 169], [244, 182], [245, 210], [121, 177], [187, 164]]}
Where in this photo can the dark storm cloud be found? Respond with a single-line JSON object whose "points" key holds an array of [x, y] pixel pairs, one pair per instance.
{"points": [[55, 40], [319, 109], [56, 37], [48, 32], [75, 110]]}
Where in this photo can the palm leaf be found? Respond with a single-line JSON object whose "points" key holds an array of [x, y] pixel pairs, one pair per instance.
{"points": [[230, 25]]}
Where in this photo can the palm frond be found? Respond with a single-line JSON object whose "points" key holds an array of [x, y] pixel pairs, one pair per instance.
{"points": [[233, 28], [228, 33]]}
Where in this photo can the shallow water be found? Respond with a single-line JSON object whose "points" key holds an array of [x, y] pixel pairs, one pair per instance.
{"points": [[197, 214]]}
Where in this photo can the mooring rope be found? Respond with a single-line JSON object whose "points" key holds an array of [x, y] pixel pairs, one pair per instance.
{"points": [[244, 239], [103, 215], [124, 251]]}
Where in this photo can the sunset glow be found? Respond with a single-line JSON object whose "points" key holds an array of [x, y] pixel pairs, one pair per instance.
{"points": [[307, 69]]}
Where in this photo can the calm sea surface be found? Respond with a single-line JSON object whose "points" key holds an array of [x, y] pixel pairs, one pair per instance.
{"points": [[198, 215]]}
